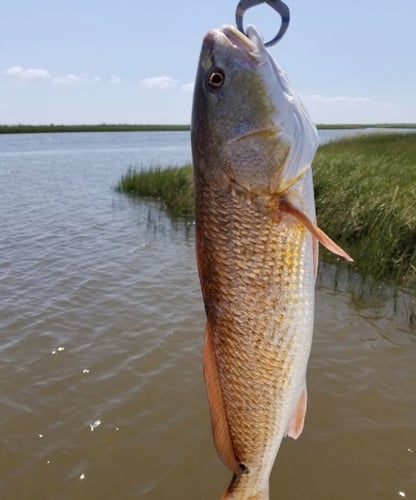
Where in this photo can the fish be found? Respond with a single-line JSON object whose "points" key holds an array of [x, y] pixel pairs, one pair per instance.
{"points": [[256, 237]]}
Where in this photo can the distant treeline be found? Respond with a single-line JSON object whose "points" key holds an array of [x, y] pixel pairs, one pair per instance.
{"points": [[103, 127], [125, 127], [366, 125]]}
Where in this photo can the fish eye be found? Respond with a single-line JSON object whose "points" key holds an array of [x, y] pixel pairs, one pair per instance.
{"points": [[216, 79]]}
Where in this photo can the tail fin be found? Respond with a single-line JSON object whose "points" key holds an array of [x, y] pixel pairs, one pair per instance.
{"points": [[242, 487]]}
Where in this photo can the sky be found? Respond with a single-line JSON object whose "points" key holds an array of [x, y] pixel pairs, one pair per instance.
{"points": [[134, 61]]}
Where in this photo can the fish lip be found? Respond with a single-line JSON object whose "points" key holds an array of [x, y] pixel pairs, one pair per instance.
{"points": [[250, 45], [239, 39]]}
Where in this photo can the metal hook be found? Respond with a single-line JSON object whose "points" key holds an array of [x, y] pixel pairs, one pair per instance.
{"points": [[277, 5]]}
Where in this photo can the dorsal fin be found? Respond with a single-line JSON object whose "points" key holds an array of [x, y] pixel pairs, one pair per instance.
{"points": [[316, 232], [219, 423]]}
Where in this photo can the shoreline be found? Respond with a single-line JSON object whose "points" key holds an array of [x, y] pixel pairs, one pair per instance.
{"points": [[126, 127], [364, 194]]}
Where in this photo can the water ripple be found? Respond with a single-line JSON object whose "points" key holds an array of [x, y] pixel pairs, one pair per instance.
{"points": [[101, 320]]}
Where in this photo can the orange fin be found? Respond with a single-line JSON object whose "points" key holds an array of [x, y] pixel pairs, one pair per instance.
{"points": [[220, 430], [297, 419], [317, 233]]}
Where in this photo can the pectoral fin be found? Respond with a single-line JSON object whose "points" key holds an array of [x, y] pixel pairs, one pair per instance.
{"points": [[220, 430], [297, 419], [317, 233]]}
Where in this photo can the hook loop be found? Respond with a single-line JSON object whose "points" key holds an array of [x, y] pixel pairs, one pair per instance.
{"points": [[281, 8]]}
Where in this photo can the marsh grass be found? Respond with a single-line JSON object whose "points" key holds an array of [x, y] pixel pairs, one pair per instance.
{"points": [[132, 127], [101, 127], [172, 186], [365, 190]]}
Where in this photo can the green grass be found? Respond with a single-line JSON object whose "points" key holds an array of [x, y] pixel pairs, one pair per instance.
{"points": [[128, 127], [172, 186], [366, 125], [103, 127], [365, 190]]}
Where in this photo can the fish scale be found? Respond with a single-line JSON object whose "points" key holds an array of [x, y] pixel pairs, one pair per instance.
{"points": [[256, 288]]}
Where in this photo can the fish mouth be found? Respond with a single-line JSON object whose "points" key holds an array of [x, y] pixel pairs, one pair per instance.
{"points": [[250, 45], [239, 39]]}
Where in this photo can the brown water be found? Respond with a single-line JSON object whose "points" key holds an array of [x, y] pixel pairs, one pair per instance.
{"points": [[101, 324]]}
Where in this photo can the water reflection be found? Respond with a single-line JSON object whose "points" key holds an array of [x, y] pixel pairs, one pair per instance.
{"points": [[367, 294]]}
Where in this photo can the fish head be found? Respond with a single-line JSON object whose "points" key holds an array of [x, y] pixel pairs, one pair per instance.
{"points": [[248, 126]]}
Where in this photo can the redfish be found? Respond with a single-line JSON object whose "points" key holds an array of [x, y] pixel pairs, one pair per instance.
{"points": [[256, 243]]}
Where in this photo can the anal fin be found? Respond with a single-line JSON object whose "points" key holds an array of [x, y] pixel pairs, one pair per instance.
{"points": [[297, 419], [219, 423]]}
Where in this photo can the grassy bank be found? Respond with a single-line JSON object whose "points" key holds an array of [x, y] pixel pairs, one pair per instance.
{"points": [[171, 186], [104, 127], [361, 126], [126, 127], [365, 189]]}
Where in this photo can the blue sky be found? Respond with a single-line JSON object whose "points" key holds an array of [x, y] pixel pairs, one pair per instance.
{"points": [[134, 61]]}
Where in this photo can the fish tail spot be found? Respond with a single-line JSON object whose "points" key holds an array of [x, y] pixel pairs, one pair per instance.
{"points": [[244, 468]]}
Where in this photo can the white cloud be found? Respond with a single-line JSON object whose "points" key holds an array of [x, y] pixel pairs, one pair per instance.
{"points": [[338, 99], [348, 109], [188, 87], [73, 79], [114, 80], [69, 79], [33, 74], [159, 82], [20, 73]]}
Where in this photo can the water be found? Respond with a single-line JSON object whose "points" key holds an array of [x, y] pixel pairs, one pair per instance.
{"points": [[101, 324]]}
